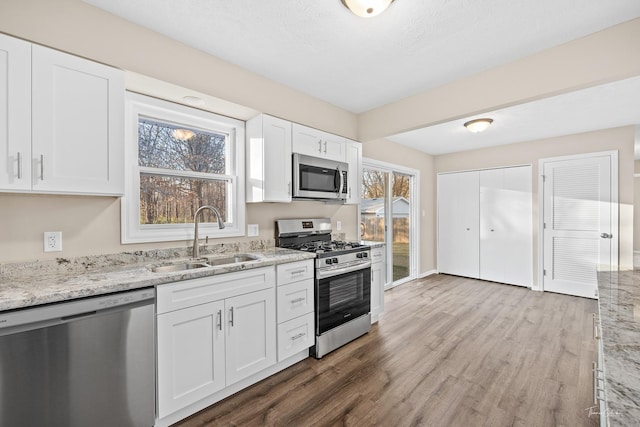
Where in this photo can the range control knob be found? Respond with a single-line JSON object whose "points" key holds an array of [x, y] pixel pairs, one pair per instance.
{"points": [[365, 255], [328, 261], [334, 260], [360, 255]]}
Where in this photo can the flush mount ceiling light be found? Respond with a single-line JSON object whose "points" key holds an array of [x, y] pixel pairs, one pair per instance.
{"points": [[367, 8], [183, 134], [478, 125]]}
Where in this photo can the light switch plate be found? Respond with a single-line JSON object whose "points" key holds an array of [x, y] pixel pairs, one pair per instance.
{"points": [[253, 230], [338, 225]]}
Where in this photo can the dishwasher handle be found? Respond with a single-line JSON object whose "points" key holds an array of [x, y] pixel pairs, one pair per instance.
{"points": [[73, 310]]}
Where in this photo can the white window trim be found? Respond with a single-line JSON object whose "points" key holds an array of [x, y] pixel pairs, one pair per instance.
{"points": [[131, 229]]}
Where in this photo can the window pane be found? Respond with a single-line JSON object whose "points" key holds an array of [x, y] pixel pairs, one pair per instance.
{"points": [[163, 145], [372, 206], [170, 200]]}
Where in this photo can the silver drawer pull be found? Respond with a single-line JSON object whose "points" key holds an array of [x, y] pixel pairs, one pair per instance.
{"points": [[41, 167], [298, 336], [231, 316], [297, 300], [19, 165], [219, 322], [298, 271]]}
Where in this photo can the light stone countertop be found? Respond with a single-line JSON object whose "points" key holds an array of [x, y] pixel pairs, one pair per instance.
{"points": [[619, 304], [34, 283], [372, 244]]}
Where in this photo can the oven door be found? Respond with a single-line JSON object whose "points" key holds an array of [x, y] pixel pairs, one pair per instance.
{"points": [[319, 178], [342, 297]]}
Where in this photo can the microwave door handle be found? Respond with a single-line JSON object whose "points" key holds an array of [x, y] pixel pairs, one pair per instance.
{"points": [[339, 192]]}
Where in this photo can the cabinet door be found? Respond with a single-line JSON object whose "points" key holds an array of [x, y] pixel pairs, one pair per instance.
{"points": [[314, 142], [251, 334], [378, 273], [354, 159], [191, 356], [268, 159], [458, 221], [77, 124], [15, 114], [506, 225]]}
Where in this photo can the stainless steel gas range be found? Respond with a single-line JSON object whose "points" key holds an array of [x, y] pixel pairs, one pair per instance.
{"points": [[342, 281]]}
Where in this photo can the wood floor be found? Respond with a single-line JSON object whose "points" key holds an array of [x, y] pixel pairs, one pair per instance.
{"points": [[448, 352]]}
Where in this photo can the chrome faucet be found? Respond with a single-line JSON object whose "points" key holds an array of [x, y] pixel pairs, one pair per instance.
{"points": [[196, 247]]}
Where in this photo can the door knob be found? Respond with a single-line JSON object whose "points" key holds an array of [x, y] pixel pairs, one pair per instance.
{"points": [[606, 236]]}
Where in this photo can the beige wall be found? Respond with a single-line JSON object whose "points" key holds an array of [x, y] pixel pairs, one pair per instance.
{"points": [[608, 55], [620, 139], [390, 152]]}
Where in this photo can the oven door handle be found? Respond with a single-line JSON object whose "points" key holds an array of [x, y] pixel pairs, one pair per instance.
{"points": [[330, 273]]}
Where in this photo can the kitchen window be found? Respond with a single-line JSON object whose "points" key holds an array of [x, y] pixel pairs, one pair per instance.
{"points": [[178, 159]]}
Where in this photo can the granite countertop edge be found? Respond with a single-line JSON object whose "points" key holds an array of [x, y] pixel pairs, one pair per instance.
{"points": [[619, 312], [32, 284]]}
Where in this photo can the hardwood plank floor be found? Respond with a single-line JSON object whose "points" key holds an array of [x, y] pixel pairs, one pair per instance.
{"points": [[449, 351]]}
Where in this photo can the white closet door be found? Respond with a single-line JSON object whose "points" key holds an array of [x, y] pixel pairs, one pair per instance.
{"points": [[577, 224], [506, 225], [458, 220]]}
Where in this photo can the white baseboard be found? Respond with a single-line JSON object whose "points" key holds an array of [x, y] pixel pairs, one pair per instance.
{"points": [[427, 273]]}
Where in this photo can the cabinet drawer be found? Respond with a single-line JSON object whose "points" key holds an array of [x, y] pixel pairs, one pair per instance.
{"points": [[294, 271], [377, 254], [295, 299], [188, 293], [295, 335]]}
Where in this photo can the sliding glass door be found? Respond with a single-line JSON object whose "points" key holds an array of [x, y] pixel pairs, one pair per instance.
{"points": [[386, 215]]}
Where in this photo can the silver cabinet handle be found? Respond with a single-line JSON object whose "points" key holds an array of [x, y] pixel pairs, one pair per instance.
{"points": [[319, 146], [298, 271], [19, 165], [41, 167], [289, 188], [297, 300], [606, 236], [298, 336], [219, 322], [325, 147], [231, 316]]}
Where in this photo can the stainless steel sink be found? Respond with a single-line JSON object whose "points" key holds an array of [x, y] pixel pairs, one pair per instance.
{"points": [[171, 268], [232, 259]]}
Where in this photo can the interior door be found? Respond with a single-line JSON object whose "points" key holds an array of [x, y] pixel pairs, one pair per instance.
{"points": [[458, 222], [577, 225]]}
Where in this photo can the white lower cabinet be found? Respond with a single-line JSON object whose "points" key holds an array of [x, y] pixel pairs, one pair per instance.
{"points": [[378, 279], [251, 334], [296, 315], [211, 345], [191, 356]]}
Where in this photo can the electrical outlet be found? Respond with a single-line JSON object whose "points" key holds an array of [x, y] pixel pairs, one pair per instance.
{"points": [[53, 241], [253, 230], [338, 225]]}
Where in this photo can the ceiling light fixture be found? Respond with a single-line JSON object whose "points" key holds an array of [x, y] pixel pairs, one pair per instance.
{"points": [[478, 125], [367, 8], [183, 134]]}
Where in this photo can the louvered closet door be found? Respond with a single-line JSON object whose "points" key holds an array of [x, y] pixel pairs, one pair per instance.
{"points": [[577, 224]]}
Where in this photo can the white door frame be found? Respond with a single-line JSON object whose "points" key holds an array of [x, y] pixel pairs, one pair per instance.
{"points": [[615, 207], [414, 224]]}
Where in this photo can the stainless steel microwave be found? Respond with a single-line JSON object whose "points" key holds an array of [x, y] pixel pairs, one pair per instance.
{"points": [[318, 178]]}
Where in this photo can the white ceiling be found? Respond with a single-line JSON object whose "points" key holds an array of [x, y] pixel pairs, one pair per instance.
{"points": [[601, 107], [318, 47]]}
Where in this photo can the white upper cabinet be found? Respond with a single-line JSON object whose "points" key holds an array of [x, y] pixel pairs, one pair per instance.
{"points": [[64, 121], [354, 159], [15, 114], [317, 143], [268, 159], [77, 125]]}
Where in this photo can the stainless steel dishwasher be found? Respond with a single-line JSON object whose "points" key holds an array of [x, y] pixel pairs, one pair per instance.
{"points": [[88, 362]]}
